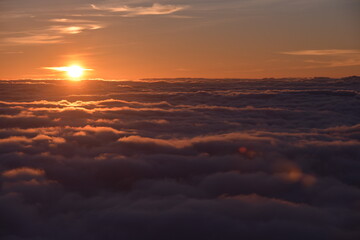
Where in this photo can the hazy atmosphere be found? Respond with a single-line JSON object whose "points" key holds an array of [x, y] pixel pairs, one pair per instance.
{"points": [[181, 38]]}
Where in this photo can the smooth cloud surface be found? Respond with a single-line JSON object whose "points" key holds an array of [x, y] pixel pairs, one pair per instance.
{"points": [[180, 159]]}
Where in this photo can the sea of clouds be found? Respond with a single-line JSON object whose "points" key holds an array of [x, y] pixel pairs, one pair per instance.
{"points": [[170, 159]]}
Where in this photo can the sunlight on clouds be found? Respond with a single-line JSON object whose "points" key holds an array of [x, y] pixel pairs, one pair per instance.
{"points": [[155, 9], [50, 35], [328, 58], [323, 52], [75, 29], [336, 63], [22, 171], [35, 39], [67, 20]]}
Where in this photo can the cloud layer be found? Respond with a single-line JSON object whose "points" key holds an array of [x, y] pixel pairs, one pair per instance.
{"points": [[180, 159]]}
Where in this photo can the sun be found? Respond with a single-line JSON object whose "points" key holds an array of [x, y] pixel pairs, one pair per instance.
{"points": [[75, 71]]}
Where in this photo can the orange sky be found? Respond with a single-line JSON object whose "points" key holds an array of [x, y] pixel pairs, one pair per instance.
{"points": [[180, 38]]}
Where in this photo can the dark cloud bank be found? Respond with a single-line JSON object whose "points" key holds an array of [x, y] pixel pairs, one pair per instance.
{"points": [[180, 159]]}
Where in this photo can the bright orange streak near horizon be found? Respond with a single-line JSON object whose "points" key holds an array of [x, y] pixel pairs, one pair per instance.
{"points": [[73, 71]]}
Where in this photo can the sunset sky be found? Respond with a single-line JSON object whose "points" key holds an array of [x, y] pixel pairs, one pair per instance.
{"points": [[180, 38], [179, 119]]}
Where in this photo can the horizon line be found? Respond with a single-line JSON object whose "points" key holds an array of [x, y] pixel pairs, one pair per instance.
{"points": [[176, 78]]}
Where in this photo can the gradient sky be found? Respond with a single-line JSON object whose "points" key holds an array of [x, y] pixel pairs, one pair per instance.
{"points": [[180, 38]]}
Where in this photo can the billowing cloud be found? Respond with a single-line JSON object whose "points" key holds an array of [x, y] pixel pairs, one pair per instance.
{"points": [[180, 159]]}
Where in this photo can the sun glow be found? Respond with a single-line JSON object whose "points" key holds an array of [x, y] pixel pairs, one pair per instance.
{"points": [[75, 72]]}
